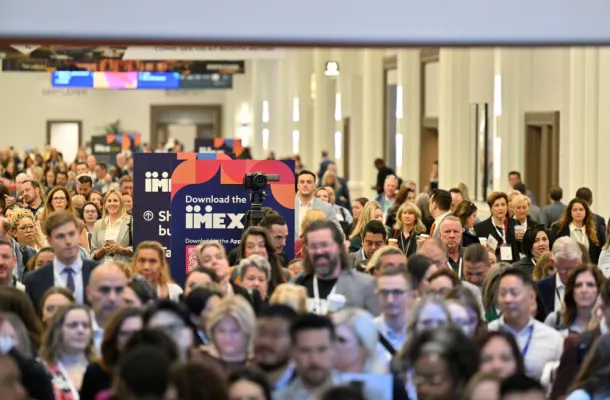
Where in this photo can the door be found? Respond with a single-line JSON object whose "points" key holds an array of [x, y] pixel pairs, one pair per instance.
{"points": [[541, 153], [428, 150], [65, 136]]}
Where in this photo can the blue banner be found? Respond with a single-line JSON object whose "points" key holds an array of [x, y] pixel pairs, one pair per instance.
{"points": [[152, 195], [210, 202]]}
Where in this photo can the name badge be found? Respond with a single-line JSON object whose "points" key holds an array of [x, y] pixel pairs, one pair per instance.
{"points": [[492, 243], [506, 253]]}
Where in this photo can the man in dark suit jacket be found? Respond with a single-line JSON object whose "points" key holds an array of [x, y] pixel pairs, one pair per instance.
{"points": [[575, 348], [600, 223], [566, 255], [68, 269]]}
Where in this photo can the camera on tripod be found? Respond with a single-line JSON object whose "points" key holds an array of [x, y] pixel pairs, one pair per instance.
{"points": [[256, 182]]}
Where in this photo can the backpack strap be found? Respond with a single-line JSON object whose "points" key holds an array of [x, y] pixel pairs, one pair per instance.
{"points": [[386, 344]]}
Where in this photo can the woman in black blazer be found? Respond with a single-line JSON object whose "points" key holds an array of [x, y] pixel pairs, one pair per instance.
{"points": [[499, 226], [576, 218], [408, 227]]}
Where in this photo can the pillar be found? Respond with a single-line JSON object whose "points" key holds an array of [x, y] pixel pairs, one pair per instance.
{"points": [[301, 78], [456, 139], [409, 125], [256, 99], [353, 106], [602, 190], [323, 109], [372, 117]]}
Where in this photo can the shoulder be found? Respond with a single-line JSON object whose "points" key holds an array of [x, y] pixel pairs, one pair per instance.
{"points": [[32, 276], [359, 277], [548, 281]]}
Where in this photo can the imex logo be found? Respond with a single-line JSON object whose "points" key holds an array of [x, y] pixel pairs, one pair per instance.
{"points": [[197, 220], [154, 184]]}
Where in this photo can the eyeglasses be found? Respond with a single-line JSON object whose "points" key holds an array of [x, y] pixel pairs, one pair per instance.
{"points": [[394, 293], [27, 228], [90, 212], [59, 199]]}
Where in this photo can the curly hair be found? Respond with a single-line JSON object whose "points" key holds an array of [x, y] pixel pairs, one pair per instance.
{"points": [[17, 215]]}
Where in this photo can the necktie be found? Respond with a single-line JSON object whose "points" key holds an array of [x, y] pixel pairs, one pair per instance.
{"points": [[70, 280], [432, 228], [579, 235]]}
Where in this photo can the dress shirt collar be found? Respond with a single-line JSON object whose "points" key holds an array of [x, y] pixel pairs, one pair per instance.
{"points": [[558, 283], [438, 221], [505, 326], [59, 267]]}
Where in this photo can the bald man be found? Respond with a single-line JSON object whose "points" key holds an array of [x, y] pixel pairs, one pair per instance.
{"points": [[105, 293]]}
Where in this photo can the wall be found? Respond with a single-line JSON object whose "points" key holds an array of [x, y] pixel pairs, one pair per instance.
{"points": [[26, 104], [432, 89]]}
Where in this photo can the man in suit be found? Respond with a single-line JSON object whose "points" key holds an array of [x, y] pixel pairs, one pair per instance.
{"points": [[324, 164], [587, 195], [440, 206], [374, 236], [552, 212], [575, 348], [68, 269], [388, 196], [565, 256], [305, 201]]}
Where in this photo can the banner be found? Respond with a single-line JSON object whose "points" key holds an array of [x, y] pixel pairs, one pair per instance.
{"points": [[219, 145], [152, 195], [209, 202], [106, 147]]}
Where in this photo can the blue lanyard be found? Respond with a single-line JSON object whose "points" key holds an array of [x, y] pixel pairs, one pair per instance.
{"points": [[527, 344]]}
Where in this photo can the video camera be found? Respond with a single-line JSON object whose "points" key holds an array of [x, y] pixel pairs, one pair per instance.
{"points": [[256, 182]]}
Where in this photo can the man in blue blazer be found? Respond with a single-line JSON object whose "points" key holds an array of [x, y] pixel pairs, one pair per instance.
{"points": [[68, 269], [305, 201]]}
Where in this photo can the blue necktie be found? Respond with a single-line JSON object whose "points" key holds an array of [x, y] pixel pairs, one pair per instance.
{"points": [[70, 281]]}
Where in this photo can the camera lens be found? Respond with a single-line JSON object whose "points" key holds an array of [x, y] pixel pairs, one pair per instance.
{"points": [[260, 181]]}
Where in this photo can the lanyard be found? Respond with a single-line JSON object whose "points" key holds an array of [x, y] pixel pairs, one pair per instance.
{"points": [[558, 295], [459, 272], [402, 241], [529, 341], [501, 234], [316, 297]]}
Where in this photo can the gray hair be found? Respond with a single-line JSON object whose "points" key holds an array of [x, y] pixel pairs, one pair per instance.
{"points": [[391, 177], [565, 248], [256, 261]]}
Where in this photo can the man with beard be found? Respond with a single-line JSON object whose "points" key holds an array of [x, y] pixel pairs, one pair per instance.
{"points": [[32, 196], [272, 345], [313, 340], [330, 282], [451, 236]]}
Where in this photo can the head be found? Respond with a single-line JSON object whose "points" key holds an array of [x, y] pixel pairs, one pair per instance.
{"points": [[278, 230], [68, 333], [149, 261], [357, 340], [291, 295], [374, 237], [126, 185], [476, 264], [313, 342], [58, 199], [32, 192], [451, 233], [105, 290], [143, 373], [272, 344], [521, 207], [500, 354], [53, 299], [248, 384], [82, 168], [198, 277], [586, 194], [213, 255], [8, 262], [442, 282], [566, 255], [535, 242], [232, 327], [390, 186], [101, 170], [325, 253], [456, 198], [358, 206], [514, 177], [121, 326], [113, 206], [63, 234], [254, 273], [516, 295], [581, 291], [555, 193], [306, 183], [440, 202], [174, 320], [84, 185], [466, 211], [395, 292], [322, 194], [498, 204], [429, 313], [256, 240], [11, 386], [388, 258], [521, 387], [409, 214], [91, 212], [434, 249]]}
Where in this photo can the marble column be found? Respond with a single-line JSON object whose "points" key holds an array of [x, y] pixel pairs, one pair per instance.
{"points": [[372, 117], [455, 138], [602, 191], [323, 106]]}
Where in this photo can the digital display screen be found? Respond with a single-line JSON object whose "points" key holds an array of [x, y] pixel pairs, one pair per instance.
{"points": [[116, 80]]}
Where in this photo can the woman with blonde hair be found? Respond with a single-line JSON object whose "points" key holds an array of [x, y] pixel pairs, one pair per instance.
{"points": [[544, 267], [310, 216], [67, 349], [372, 210], [231, 327], [291, 295], [26, 229], [408, 227], [149, 262], [331, 179], [112, 236]]}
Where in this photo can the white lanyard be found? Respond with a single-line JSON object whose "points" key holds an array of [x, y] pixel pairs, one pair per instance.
{"points": [[459, 267], [502, 232], [316, 297]]}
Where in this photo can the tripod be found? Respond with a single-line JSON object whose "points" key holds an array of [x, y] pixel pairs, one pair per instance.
{"points": [[255, 215]]}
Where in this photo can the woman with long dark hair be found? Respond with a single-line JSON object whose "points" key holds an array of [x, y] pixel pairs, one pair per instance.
{"points": [[578, 222]]}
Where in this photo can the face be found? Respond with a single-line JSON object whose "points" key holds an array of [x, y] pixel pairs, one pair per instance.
{"points": [[521, 209], [229, 338], [112, 204], [10, 380], [451, 234], [563, 268], [272, 343], [127, 187], [470, 221], [498, 358], [456, 198], [8, 330], [212, 257], [475, 273], [541, 244], [440, 286], [90, 214], [306, 184], [255, 279], [378, 215], [255, 244], [130, 326], [7, 263], [96, 199], [578, 213], [100, 172], [174, 327], [130, 298], [59, 201], [81, 169], [76, 331], [51, 304], [513, 179], [195, 279], [356, 209], [408, 218], [331, 195], [84, 189], [585, 290], [313, 355], [393, 262], [396, 297], [29, 193], [323, 252], [371, 242], [50, 176], [514, 297], [492, 258], [486, 390], [389, 187], [105, 291], [128, 201], [461, 318], [433, 379], [431, 317], [411, 197], [148, 264], [499, 207], [246, 390], [279, 234], [349, 351], [323, 195], [44, 258], [61, 179], [65, 241]]}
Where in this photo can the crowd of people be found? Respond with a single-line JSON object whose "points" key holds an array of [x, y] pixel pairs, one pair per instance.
{"points": [[407, 295]]}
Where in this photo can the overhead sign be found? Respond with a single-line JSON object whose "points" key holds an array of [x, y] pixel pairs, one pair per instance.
{"points": [[25, 48], [203, 53]]}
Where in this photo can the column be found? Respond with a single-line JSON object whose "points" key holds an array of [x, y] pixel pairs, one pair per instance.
{"points": [[351, 86], [455, 140], [602, 191], [256, 100], [512, 67], [372, 116], [302, 70], [268, 116], [323, 109], [409, 125], [281, 108]]}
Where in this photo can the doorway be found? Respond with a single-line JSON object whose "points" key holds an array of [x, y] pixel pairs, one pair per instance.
{"points": [[66, 136], [186, 121], [428, 150], [541, 153]]}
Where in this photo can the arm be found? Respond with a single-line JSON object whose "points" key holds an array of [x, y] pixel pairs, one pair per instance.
{"points": [[97, 249]]}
